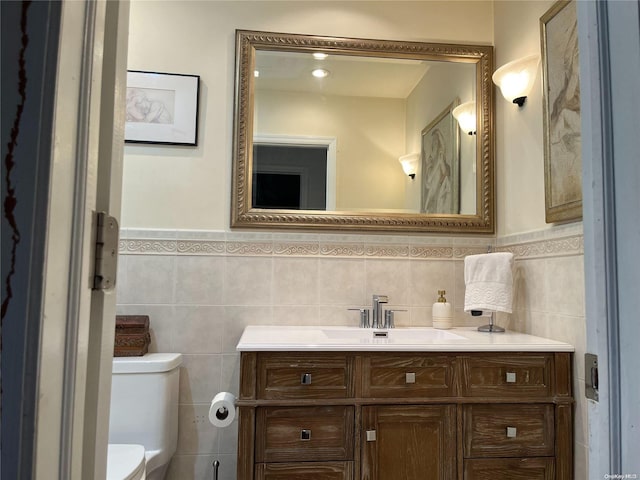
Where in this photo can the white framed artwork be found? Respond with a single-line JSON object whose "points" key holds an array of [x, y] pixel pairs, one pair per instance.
{"points": [[162, 108]]}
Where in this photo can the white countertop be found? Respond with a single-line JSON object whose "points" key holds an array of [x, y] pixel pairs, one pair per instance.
{"points": [[427, 339]]}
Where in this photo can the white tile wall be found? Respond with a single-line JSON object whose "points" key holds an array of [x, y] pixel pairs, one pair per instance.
{"points": [[200, 293]]}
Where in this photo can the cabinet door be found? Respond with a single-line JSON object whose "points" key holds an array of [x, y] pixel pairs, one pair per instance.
{"points": [[409, 442]]}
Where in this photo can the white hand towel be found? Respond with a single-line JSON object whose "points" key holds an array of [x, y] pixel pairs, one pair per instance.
{"points": [[489, 282]]}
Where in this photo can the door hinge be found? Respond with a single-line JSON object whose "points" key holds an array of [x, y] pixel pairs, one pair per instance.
{"points": [[106, 261], [371, 435], [591, 376]]}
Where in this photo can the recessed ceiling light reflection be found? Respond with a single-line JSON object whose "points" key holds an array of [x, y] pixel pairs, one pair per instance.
{"points": [[320, 73], [256, 73], [320, 55]]}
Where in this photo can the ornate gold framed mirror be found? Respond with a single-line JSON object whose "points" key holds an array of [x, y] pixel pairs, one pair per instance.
{"points": [[321, 122]]}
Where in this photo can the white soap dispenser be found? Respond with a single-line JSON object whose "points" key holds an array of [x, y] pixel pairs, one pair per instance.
{"points": [[442, 312]]}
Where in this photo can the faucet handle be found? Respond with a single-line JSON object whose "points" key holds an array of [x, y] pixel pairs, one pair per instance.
{"points": [[389, 320], [364, 316]]}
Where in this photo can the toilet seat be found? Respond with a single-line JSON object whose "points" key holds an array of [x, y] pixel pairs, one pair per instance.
{"points": [[125, 462]]}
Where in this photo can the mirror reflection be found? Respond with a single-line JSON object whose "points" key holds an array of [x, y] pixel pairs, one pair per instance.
{"points": [[374, 110], [322, 122]]}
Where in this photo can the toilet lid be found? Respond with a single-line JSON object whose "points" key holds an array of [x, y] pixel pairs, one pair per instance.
{"points": [[125, 462]]}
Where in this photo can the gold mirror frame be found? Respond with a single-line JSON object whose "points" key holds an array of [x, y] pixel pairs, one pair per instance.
{"points": [[244, 216]]}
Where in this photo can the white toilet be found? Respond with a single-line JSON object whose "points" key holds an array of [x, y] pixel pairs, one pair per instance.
{"points": [[143, 423]]}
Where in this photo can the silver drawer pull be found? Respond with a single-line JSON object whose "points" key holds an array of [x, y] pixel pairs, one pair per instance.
{"points": [[410, 377], [305, 379], [511, 377], [305, 435], [512, 432]]}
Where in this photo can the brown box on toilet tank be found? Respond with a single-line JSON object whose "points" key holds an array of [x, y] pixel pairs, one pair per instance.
{"points": [[132, 337]]}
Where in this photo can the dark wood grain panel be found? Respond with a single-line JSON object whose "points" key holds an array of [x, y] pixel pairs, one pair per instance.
{"points": [[246, 443], [509, 468], [384, 376], [485, 430], [562, 374], [357, 442], [412, 443], [248, 365], [564, 442], [278, 434], [486, 375], [459, 442], [305, 471], [280, 374]]}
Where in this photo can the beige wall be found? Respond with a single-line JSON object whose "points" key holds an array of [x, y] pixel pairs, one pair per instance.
{"points": [[189, 188], [519, 150]]}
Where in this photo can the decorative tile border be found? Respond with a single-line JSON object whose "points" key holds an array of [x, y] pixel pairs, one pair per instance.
{"points": [[461, 252], [202, 247], [401, 251], [249, 248], [547, 248], [342, 250], [296, 249], [147, 246], [432, 252], [409, 247]]}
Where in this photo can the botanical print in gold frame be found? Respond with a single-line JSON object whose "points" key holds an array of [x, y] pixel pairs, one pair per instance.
{"points": [[440, 183], [561, 113]]}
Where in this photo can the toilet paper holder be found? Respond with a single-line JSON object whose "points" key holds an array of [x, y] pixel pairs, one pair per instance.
{"points": [[223, 410]]}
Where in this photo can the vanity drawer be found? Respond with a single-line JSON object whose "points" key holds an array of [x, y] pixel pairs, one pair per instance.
{"points": [[405, 376], [307, 470], [304, 434], [511, 468], [509, 375], [508, 430], [295, 375]]}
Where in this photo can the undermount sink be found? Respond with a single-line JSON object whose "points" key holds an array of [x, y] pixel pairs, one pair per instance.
{"points": [[403, 336]]}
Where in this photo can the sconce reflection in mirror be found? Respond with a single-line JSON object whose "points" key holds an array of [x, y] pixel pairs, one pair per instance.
{"points": [[410, 164], [465, 114], [516, 78]]}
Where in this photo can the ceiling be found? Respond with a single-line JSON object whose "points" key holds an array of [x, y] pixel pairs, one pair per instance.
{"points": [[348, 75]]}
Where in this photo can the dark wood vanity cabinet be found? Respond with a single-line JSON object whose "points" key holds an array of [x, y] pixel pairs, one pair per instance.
{"points": [[405, 416]]}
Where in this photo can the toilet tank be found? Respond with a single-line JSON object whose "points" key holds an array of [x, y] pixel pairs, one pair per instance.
{"points": [[144, 402]]}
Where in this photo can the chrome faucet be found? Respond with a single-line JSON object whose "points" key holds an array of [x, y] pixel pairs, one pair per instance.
{"points": [[377, 310]]}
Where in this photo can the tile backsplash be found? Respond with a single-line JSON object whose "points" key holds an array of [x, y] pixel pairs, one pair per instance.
{"points": [[202, 288]]}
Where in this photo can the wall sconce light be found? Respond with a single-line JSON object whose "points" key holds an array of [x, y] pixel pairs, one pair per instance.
{"points": [[465, 114], [516, 78], [410, 164]]}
